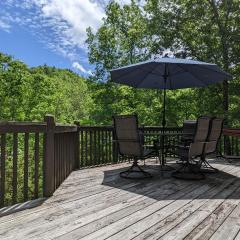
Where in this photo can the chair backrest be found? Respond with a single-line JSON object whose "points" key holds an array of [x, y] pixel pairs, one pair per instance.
{"points": [[214, 135], [127, 135], [189, 126], [188, 130], [202, 129], [200, 137]]}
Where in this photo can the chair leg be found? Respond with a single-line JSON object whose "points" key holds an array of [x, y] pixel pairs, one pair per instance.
{"points": [[207, 167], [221, 156], [135, 168], [188, 172]]}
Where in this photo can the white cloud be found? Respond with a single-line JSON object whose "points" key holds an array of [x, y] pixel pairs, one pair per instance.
{"points": [[4, 25], [60, 24], [5, 21], [80, 68], [77, 15]]}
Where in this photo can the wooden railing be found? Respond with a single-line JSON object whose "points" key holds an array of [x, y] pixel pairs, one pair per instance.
{"points": [[60, 157], [98, 148], [35, 158], [230, 143], [21, 161]]}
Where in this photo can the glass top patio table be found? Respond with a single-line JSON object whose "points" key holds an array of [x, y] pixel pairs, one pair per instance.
{"points": [[159, 140]]}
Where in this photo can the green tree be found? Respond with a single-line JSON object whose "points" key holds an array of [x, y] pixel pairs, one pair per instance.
{"points": [[208, 30], [14, 78], [30, 93], [119, 41]]}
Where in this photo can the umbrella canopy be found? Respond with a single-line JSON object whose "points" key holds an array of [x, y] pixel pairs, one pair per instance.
{"points": [[169, 73]]}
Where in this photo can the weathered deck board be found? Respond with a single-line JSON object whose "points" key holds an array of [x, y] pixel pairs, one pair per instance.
{"points": [[148, 218], [163, 226], [231, 226], [97, 204]]}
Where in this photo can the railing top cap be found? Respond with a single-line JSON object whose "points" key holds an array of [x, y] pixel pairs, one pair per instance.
{"points": [[14, 123]]}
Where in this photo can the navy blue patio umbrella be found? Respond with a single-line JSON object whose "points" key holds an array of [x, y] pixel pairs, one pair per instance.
{"points": [[169, 73]]}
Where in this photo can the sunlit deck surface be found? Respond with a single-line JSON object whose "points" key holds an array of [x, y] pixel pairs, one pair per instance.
{"points": [[97, 204]]}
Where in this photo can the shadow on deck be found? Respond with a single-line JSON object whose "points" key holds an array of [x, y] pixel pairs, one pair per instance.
{"points": [[167, 185], [97, 204]]}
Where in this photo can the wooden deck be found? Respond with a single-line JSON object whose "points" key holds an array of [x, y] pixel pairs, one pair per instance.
{"points": [[97, 204]]}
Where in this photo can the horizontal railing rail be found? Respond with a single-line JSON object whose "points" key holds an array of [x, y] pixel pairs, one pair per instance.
{"points": [[22, 127]]}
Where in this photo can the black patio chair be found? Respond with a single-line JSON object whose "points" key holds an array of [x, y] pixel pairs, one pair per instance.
{"points": [[190, 168], [211, 144], [130, 144], [188, 131]]}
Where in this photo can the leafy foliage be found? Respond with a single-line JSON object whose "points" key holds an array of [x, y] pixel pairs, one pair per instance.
{"points": [[30, 93]]}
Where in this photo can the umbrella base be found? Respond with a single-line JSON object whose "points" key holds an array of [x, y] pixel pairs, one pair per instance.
{"points": [[188, 176], [189, 172], [166, 168]]}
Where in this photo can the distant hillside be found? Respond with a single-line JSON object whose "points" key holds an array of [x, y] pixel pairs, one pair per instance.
{"points": [[30, 93]]}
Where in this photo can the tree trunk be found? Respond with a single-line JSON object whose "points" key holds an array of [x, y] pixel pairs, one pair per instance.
{"points": [[222, 29]]}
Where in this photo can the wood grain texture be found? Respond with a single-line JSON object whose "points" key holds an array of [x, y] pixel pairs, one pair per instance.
{"points": [[15, 168], [36, 165], [97, 204], [26, 163], [2, 169]]}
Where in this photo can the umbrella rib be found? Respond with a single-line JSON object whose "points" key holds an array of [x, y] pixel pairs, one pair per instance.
{"points": [[180, 65], [221, 72], [150, 72], [142, 72], [126, 73], [138, 69], [170, 82], [146, 73]]}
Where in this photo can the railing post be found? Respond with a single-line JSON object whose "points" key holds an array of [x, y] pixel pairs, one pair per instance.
{"points": [[48, 187], [114, 147], [76, 147]]}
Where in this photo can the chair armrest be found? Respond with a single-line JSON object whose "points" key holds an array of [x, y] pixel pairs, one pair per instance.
{"points": [[196, 149]]}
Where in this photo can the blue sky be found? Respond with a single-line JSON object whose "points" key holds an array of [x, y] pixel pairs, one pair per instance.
{"points": [[51, 32]]}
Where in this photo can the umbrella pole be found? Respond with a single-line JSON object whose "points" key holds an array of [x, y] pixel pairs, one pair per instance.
{"points": [[164, 121], [163, 166]]}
